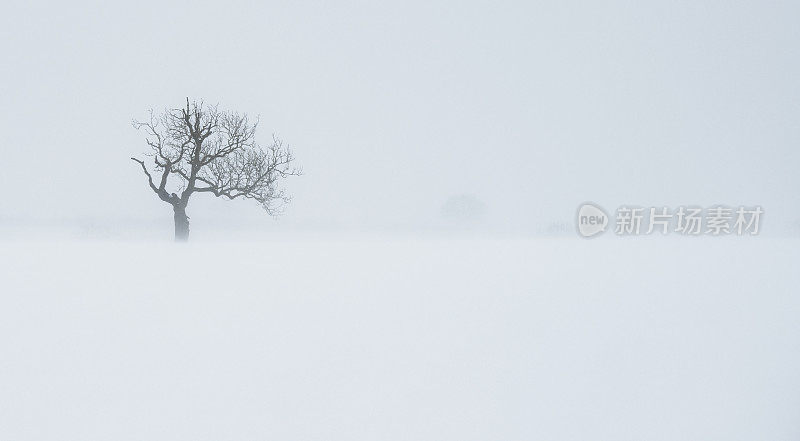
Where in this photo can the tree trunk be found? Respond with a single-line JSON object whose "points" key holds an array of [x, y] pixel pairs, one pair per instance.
{"points": [[181, 223]]}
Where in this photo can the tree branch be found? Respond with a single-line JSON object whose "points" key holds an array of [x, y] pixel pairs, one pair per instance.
{"points": [[161, 190], [199, 144]]}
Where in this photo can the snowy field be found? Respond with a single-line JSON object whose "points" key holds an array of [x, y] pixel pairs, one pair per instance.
{"points": [[380, 338]]}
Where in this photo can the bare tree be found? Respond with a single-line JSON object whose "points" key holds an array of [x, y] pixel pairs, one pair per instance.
{"points": [[201, 149]]}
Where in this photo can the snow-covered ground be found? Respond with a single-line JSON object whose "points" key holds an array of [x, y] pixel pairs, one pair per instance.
{"points": [[400, 338]]}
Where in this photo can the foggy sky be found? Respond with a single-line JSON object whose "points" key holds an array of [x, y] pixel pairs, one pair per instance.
{"points": [[393, 107]]}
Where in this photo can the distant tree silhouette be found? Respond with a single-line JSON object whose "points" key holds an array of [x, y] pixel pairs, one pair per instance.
{"points": [[201, 149], [463, 208]]}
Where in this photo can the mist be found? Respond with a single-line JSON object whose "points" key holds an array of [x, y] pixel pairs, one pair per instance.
{"points": [[431, 277], [532, 108]]}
